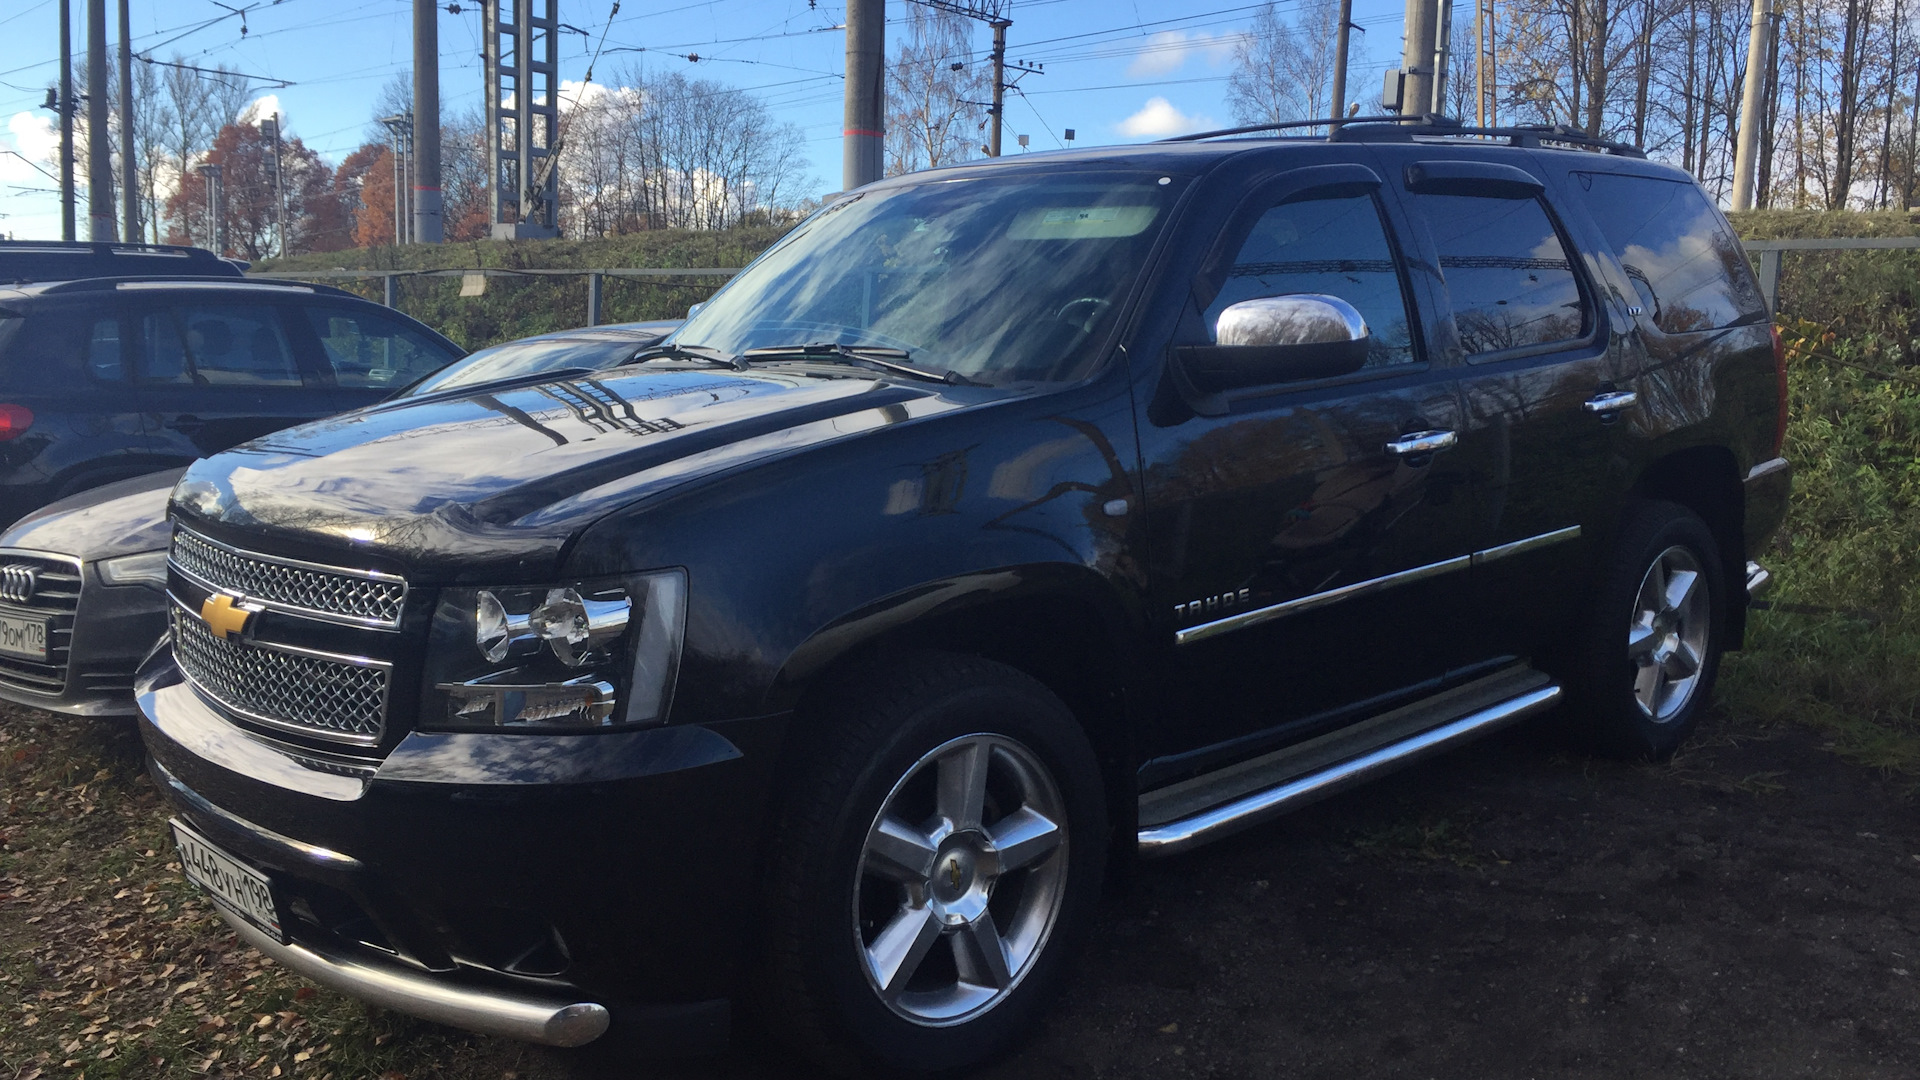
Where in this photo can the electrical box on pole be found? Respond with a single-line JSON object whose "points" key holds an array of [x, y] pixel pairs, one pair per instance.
{"points": [[523, 116]]}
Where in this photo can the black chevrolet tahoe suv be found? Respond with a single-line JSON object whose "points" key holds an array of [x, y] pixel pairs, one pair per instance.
{"points": [[997, 525]]}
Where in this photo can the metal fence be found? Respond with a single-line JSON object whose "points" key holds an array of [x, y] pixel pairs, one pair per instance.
{"points": [[596, 279], [1770, 251]]}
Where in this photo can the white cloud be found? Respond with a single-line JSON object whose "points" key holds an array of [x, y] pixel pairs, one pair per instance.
{"points": [[33, 137], [1167, 51], [262, 107], [1159, 118]]}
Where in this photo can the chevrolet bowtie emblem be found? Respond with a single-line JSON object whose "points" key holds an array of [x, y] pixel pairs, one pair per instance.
{"points": [[224, 616]]}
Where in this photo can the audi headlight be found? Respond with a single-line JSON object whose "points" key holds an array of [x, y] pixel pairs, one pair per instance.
{"points": [[147, 568], [580, 655]]}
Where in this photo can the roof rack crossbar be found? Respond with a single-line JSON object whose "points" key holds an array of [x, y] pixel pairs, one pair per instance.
{"points": [[1395, 128]]}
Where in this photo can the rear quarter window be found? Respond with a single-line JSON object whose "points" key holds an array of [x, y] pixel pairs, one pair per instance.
{"points": [[61, 346], [1681, 256]]}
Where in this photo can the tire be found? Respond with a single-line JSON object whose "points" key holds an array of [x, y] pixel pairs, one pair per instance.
{"points": [[894, 885], [1650, 652]]}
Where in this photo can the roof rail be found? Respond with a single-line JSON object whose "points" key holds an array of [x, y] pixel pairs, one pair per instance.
{"points": [[1395, 128], [184, 281]]}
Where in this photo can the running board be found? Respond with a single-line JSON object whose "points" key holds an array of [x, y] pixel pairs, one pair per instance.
{"points": [[1193, 830]]}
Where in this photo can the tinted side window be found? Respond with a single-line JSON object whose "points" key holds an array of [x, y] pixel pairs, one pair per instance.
{"points": [[371, 350], [1506, 270], [226, 345], [1676, 248], [55, 347], [1334, 246]]}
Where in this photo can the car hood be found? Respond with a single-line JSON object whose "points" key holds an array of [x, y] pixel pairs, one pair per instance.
{"points": [[499, 480], [121, 518]]}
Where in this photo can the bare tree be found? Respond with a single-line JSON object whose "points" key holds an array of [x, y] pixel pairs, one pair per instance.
{"points": [[934, 89], [1284, 71]]}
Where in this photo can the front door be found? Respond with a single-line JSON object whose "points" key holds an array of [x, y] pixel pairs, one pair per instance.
{"points": [[1307, 555]]}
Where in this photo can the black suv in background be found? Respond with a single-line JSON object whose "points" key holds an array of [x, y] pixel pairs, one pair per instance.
{"points": [[102, 379], [998, 523], [23, 261]]}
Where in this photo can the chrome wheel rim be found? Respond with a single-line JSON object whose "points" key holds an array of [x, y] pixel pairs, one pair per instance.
{"points": [[1672, 622], [960, 880]]}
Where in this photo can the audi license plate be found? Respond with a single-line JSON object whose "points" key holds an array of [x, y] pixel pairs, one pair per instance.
{"points": [[23, 637], [233, 885]]}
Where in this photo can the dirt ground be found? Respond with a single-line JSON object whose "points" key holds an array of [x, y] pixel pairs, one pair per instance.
{"points": [[1505, 911]]}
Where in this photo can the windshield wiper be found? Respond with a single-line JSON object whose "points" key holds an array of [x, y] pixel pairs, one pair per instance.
{"points": [[687, 352], [880, 356]]}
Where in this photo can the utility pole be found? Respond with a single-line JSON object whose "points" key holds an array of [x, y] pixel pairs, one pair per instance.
{"points": [[1409, 91], [426, 123], [215, 228], [99, 149], [129, 169], [1340, 44], [66, 121], [1751, 113], [270, 127], [399, 129], [863, 130], [1442, 53], [999, 107]]}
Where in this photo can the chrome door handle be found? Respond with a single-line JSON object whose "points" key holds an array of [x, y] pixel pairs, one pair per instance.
{"points": [[1421, 442], [1612, 401]]}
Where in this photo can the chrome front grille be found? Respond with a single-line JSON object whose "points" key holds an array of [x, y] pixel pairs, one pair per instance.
{"points": [[342, 699], [327, 593], [44, 588]]}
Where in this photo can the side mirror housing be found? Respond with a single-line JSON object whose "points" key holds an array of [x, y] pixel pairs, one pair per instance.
{"points": [[1278, 339]]}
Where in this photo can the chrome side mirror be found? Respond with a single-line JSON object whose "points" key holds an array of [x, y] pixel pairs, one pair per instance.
{"points": [[1277, 339]]}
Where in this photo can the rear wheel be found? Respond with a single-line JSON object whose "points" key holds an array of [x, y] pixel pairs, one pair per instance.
{"points": [[1655, 635], [938, 855]]}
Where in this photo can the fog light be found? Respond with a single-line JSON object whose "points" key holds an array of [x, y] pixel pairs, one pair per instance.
{"points": [[580, 701]]}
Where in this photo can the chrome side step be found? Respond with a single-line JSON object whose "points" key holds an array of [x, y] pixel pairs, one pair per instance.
{"points": [[1195, 829]]}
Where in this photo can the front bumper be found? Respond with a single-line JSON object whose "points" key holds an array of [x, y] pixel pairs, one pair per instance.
{"points": [[536, 886], [114, 628]]}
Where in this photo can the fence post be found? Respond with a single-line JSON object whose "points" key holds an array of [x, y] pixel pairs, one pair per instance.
{"points": [[390, 293], [1770, 278], [593, 298]]}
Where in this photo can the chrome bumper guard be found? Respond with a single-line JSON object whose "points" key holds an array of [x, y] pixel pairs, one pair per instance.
{"points": [[489, 1012], [1758, 578]]}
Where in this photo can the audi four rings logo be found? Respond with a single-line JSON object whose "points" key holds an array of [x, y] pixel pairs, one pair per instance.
{"points": [[17, 582]]}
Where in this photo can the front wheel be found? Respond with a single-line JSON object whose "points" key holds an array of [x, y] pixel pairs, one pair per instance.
{"points": [[1654, 637], [940, 851]]}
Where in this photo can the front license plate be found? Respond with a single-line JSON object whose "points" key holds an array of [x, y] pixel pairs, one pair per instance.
{"points": [[23, 637], [233, 885]]}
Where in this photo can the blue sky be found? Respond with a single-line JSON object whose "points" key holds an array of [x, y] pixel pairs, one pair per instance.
{"points": [[1116, 70]]}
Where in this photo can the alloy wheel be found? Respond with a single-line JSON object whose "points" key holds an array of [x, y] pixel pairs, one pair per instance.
{"points": [[961, 879], [1669, 635]]}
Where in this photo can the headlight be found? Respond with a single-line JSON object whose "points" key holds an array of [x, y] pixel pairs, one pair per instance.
{"points": [[147, 568], [583, 655]]}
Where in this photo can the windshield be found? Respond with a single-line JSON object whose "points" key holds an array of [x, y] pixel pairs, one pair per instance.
{"points": [[1000, 279], [520, 358]]}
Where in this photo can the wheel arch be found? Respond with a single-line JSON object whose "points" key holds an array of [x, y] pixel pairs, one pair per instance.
{"points": [[1706, 480], [1063, 626]]}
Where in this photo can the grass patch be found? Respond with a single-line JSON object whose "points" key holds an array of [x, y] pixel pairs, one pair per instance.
{"points": [[1837, 648]]}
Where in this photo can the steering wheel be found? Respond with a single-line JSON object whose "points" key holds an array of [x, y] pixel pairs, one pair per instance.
{"points": [[1083, 312]]}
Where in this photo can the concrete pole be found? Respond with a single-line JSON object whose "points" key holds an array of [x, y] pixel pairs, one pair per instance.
{"points": [[1416, 58], [129, 168], [66, 121], [99, 147], [863, 145], [999, 107], [1747, 144], [1340, 41], [426, 123]]}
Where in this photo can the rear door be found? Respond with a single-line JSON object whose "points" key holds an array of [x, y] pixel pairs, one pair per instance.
{"points": [[1545, 380], [1311, 573], [213, 372]]}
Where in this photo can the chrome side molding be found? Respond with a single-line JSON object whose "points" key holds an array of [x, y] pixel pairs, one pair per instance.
{"points": [[1248, 810], [1241, 620], [550, 1022]]}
